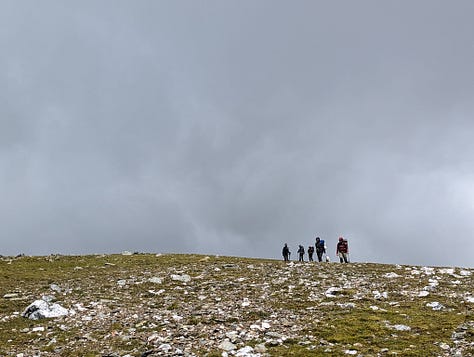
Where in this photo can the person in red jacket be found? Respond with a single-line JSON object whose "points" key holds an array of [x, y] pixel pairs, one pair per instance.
{"points": [[342, 250]]}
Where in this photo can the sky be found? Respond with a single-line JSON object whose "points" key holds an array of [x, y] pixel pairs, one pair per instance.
{"points": [[233, 127]]}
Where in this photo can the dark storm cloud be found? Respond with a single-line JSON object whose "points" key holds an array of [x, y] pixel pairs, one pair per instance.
{"points": [[231, 128]]}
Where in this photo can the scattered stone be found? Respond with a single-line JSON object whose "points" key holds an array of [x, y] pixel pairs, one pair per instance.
{"points": [[245, 303], [435, 305], [155, 280], [449, 271], [399, 327], [165, 347], [55, 288], [379, 296], [183, 278], [348, 305], [41, 309], [227, 346], [10, 296], [225, 309], [246, 351], [332, 292], [444, 346]]}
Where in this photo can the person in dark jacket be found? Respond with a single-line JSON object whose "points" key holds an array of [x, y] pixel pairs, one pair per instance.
{"points": [[342, 250], [301, 253], [310, 253], [286, 253], [320, 248]]}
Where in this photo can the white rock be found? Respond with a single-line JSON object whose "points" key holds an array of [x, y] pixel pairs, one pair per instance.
{"points": [[38, 329], [470, 299], [465, 273], [121, 282], [177, 317], [55, 287], [332, 292], [247, 351], [10, 296], [379, 296], [428, 270], [350, 352], [391, 275], [260, 348], [444, 346], [423, 293], [246, 302], [183, 278], [435, 305], [401, 327], [155, 280], [127, 253], [165, 347], [265, 325], [41, 309], [226, 346], [232, 335], [447, 271]]}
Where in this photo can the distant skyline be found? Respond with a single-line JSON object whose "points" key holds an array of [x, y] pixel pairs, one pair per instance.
{"points": [[232, 128]]}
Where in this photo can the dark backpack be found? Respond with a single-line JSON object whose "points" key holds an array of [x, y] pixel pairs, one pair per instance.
{"points": [[320, 246]]}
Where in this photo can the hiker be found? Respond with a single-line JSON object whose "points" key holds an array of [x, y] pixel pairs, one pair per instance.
{"points": [[286, 253], [342, 250], [320, 248], [301, 253], [310, 253]]}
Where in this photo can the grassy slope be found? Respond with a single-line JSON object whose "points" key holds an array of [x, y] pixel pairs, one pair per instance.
{"points": [[295, 295]]}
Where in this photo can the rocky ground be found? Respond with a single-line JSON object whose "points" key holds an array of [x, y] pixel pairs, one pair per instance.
{"points": [[191, 305]]}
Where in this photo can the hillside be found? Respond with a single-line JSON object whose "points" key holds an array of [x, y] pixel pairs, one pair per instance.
{"points": [[191, 305]]}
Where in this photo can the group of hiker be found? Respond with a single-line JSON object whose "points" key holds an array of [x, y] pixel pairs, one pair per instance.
{"points": [[342, 251]]}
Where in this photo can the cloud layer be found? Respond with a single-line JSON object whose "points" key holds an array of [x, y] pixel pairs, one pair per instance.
{"points": [[232, 128]]}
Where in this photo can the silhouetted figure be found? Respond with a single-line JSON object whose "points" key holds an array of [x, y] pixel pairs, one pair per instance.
{"points": [[320, 248], [286, 253], [310, 253], [342, 250], [301, 253]]}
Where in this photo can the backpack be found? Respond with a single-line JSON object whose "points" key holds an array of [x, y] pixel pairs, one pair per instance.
{"points": [[343, 248], [321, 246]]}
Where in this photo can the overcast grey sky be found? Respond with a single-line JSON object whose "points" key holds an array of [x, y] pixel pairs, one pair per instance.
{"points": [[232, 127]]}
